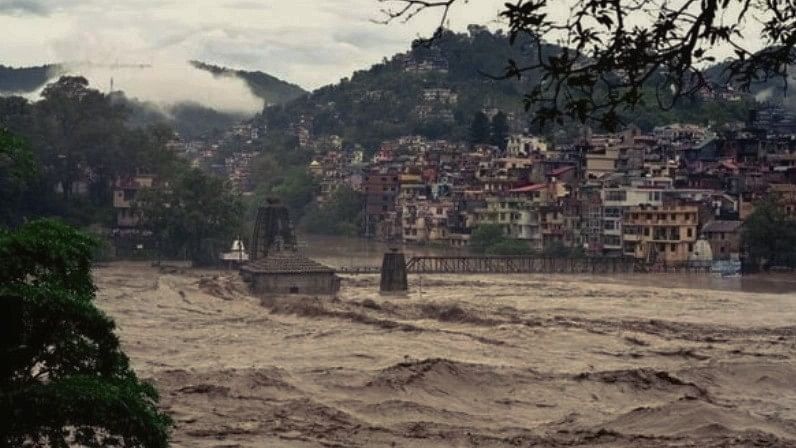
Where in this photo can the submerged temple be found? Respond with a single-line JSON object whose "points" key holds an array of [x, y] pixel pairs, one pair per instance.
{"points": [[276, 267]]}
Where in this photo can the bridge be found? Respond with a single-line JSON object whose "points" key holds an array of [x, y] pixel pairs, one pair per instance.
{"points": [[506, 265]]}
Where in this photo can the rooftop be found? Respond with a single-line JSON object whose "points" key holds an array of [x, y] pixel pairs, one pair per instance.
{"points": [[528, 188], [286, 263], [721, 226]]}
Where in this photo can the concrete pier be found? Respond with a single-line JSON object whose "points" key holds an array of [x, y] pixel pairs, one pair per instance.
{"points": [[393, 274]]}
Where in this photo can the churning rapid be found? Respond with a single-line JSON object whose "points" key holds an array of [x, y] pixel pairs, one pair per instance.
{"points": [[487, 361]]}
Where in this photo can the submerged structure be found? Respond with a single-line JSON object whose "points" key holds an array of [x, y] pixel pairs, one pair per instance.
{"points": [[393, 273], [276, 267]]}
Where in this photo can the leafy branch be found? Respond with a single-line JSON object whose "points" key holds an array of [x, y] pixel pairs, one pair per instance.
{"points": [[611, 53]]}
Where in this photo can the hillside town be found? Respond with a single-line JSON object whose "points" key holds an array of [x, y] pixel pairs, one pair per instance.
{"points": [[677, 195]]}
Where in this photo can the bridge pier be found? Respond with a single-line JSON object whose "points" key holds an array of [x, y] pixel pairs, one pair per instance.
{"points": [[393, 274]]}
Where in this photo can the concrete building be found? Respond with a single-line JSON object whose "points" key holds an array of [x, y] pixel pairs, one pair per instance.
{"points": [[724, 238], [615, 202], [517, 215], [519, 145], [381, 190], [660, 233], [124, 195]]}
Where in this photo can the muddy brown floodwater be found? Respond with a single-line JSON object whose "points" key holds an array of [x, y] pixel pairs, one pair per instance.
{"points": [[486, 361]]}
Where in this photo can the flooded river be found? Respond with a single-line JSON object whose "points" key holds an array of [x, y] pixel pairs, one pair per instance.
{"points": [[476, 360]]}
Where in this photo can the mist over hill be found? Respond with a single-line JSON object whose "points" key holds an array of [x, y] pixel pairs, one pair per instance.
{"points": [[271, 89], [195, 98]]}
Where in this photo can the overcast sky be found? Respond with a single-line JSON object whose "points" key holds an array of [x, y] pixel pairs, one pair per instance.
{"points": [[309, 42]]}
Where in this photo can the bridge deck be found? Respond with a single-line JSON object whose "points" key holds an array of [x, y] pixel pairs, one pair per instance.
{"points": [[506, 265], [517, 264]]}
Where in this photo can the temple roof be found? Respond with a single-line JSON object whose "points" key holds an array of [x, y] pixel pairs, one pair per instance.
{"points": [[286, 263]]}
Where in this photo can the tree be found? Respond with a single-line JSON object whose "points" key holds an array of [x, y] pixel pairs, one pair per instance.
{"points": [[610, 51], [500, 130], [480, 129], [509, 247], [78, 127], [340, 215], [195, 213], [769, 236], [295, 187], [64, 379], [486, 236], [17, 170]]}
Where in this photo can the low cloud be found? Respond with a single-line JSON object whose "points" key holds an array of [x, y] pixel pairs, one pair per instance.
{"points": [[23, 7], [307, 42], [166, 83]]}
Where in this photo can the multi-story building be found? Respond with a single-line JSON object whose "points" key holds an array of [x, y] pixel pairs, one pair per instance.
{"points": [[423, 221], [724, 238], [517, 217], [785, 195], [381, 187], [124, 195], [660, 233], [615, 201], [519, 145]]}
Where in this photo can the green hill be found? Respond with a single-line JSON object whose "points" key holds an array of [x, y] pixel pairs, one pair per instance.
{"points": [[393, 98], [26, 79]]}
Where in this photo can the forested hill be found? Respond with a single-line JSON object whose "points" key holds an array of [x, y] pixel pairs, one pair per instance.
{"points": [[393, 98], [26, 79], [271, 89], [388, 99]]}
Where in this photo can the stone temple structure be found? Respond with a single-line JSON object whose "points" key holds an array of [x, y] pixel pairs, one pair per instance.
{"points": [[276, 267]]}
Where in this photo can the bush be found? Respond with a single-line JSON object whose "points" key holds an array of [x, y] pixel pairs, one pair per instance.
{"points": [[341, 215], [509, 247], [486, 236]]}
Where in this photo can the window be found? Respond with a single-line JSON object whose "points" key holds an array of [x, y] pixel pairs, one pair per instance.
{"points": [[646, 231], [690, 232], [294, 290], [673, 248], [674, 217], [609, 225], [690, 247]]}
